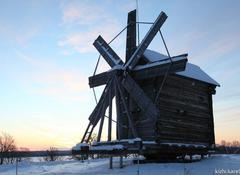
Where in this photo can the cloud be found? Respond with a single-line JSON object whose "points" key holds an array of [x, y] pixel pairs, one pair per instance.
{"points": [[21, 35], [89, 21], [82, 13], [218, 47], [50, 80], [83, 41]]}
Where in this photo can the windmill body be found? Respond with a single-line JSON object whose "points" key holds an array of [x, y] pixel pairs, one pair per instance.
{"points": [[158, 98]]}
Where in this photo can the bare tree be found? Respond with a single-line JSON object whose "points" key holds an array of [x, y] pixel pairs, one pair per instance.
{"points": [[52, 154], [235, 143], [7, 144], [93, 138]]}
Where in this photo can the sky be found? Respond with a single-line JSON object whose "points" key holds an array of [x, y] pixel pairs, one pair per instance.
{"points": [[46, 57]]}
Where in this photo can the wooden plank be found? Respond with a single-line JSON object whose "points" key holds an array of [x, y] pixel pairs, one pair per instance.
{"points": [[177, 128], [102, 105], [180, 124], [100, 128], [174, 115], [122, 133], [148, 108], [182, 138], [146, 41], [184, 106], [159, 68], [131, 35], [130, 121], [100, 79], [107, 52], [175, 109], [85, 133], [110, 118]]}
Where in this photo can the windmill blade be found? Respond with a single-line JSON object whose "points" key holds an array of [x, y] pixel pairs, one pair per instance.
{"points": [[101, 79], [102, 105], [144, 102], [96, 114], [130, 119], [160, 68], [107, 52], [146, 41]]}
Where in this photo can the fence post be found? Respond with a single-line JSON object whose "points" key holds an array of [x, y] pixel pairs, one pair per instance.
{"points": [[110, 162], [121, 161], [16, 166]]}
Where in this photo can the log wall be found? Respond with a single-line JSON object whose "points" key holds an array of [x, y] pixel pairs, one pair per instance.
{"points": [[186, 114]]}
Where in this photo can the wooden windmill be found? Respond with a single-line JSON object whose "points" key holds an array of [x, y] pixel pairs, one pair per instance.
{"points": [[122, 82], [159, 98]]}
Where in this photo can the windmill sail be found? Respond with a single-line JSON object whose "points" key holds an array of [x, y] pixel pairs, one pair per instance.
{"points": [[144, 102], [107, 52], [146, 41]]}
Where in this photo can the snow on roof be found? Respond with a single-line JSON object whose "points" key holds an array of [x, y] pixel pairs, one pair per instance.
{"points": [[153, 56], [191, 71], [159, 62], [195, 72]]}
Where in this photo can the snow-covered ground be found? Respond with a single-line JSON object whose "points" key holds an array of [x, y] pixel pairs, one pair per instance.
{"points": [[217, 164]]}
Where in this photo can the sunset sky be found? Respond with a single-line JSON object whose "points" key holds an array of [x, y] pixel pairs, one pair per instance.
{"points": [[46, 56]]}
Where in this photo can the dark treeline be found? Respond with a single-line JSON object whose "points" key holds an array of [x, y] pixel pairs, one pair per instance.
{"points": [[228, 147]]}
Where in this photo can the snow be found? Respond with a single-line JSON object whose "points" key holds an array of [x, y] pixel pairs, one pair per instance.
{"points": [[191, 71], [149, 142], [208, 166], [79, 146], [131, 141], [108, 147], [153, 56], [186, 145], [140, 67], [195, 72]]}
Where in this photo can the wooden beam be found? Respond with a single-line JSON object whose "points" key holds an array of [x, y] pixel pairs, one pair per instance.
{"points": [[110, 116], [146, 41], [160, 68], [148, 108], [130, 120], [107, 52], [97, 112], [100, 129], [99, 79], [86, 131], [131, 34], [90, 134]]}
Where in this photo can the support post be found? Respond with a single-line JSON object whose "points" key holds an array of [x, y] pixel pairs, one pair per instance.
{"points": [[89, 134], [110, 118], [100, 129], [110, 162], [17, 166], [121, 161], [83, 138]]}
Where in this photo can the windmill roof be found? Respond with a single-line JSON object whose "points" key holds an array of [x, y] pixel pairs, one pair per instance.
{"points": [[191, 71]]}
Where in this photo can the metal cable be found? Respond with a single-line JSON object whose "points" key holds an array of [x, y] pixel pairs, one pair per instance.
{"points": [[166, 74], [137, 21]]}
